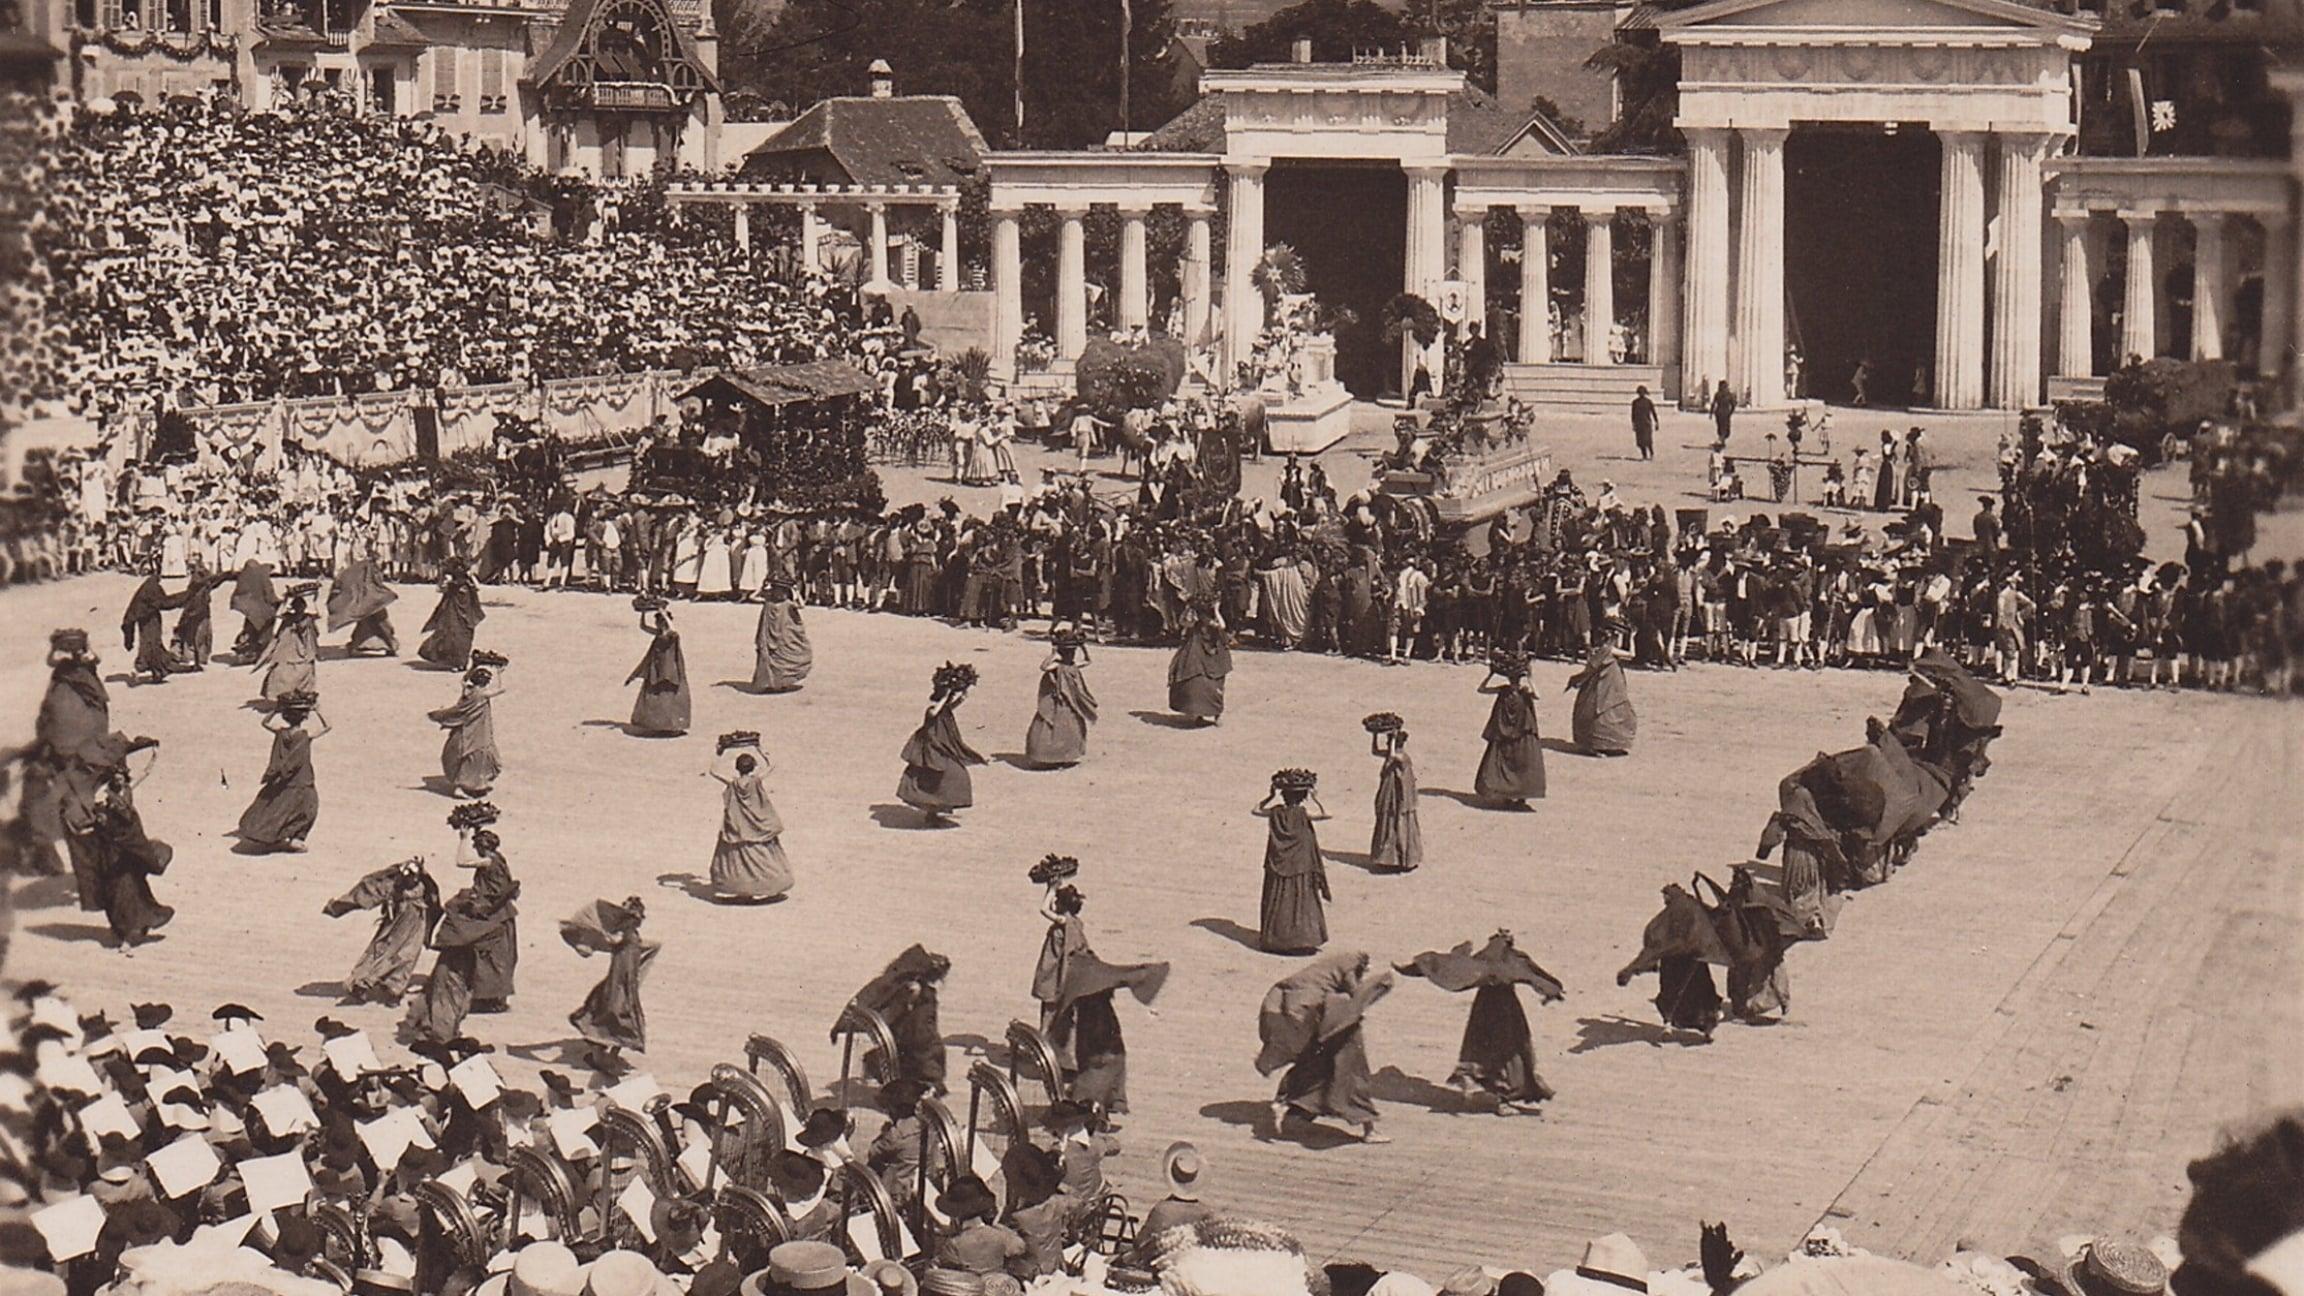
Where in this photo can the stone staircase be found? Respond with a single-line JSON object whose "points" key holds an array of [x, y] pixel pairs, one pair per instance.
{"points": [[1583, 386]]}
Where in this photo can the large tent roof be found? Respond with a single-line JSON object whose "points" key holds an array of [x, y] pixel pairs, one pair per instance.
{"points": [[785, 384]]}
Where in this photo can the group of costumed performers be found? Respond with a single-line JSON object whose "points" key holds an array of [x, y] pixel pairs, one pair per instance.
{"points": [[287, 802], [748, 864], [1075, 990], [1745, 929], [936, 758], [468, 760], [781, 657], [477, 936], [448, 631], [1065, 709], [661, 710]]}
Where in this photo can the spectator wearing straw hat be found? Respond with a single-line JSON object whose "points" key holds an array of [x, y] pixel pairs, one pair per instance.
{"points": [[1612, 1266], [807, 1269], [2108, 1267], [1181, 1165]]}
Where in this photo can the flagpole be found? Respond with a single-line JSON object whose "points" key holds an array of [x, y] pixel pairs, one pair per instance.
{"points": [[1127, 25], [1019, 74]]}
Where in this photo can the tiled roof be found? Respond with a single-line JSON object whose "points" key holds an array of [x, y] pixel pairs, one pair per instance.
{"points": [[396, 32], [909, 139]]}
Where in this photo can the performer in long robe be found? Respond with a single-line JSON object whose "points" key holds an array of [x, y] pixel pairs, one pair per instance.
{"points": [[130, 859], [1066, 936], [1397, 840], [468, 758], [611, 1017], [1498, 1054], [1196, 673], [1290, 919], [292, 659], [143, 632], [69, 761], [662, 707], [360, 599], [1287, 601], [448, 631], [407, 905], [287, 803], [195, 639], [1310, 1023], [254, 600], [479, 943], [1512, 769], [1815, 870], [749, 863], [1058, 734], [1603, 719], [936, 760], [1756, 927], [1080, 1020], [1678, 945], [781, 657], [905, 996]]}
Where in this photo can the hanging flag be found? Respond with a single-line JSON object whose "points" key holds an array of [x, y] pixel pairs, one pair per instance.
{"points": [[2138, 104]]}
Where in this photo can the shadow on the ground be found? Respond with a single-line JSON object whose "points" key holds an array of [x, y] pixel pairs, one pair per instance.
{"points": [[628, 729], [1256, 1117], [1231, 931], [72, 931], [889, 814], [48, 893], [1562, 746], [1362, 860], [1606, 1032], [1168, 720], [1394, 1085], [1018, 760], [1473, 801], [320, 990], [698, 888]]}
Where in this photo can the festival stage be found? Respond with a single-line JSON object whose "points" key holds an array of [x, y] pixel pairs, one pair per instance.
{"points": [[2026, 1034]]}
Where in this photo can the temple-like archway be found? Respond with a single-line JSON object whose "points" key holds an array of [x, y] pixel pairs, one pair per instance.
{"points": [[1861, 208], [1344, 221]]}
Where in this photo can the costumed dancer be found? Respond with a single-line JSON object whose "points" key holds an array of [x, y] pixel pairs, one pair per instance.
{"points": [[1310, 1024], [781, 657], [611, 1017], [1677, 945], [905, 997], [195, 639], [1077, 1011], [141, 630], [407, 905], [1061, 718], [1603, 719], [748, 863], [1512, 769], [1745, 929], [125, 857], [67, 764], [253, 599], [1397, 841], [360, 599], [1290, 919], [292, 659], [468, 759], [1757, 927], [448, 631], [287, 804], [662, 707], [1196, 673], [1066, 935], [936, 758], [1498, 1054], [1815, 870], [478, 937]]}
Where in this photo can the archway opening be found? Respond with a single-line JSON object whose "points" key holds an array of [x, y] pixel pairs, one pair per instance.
{"points": [[1348, 221], [1860, 221]]}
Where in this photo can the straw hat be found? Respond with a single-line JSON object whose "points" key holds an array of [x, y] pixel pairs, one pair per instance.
{"points": [[1611, 1266], [2114, 1268], [1182, 1167]]}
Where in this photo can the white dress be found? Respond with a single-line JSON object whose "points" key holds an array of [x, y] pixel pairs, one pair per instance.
{"points": [[755, 563], [716, 577]]}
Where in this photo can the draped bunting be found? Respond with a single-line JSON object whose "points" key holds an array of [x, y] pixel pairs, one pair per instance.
{"points": [[586, 408]]}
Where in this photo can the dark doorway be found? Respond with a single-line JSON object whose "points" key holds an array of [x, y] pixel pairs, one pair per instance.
{"points": [[1349, 223], [1860, 218]]}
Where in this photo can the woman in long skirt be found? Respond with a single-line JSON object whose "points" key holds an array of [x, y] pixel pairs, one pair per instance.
{"points": [[448, 631], [936, 758], [479, 942], [407, 904], [1512, 769], [1196, 673], [1311, 1025], [130, 860], [716, 577], [1058, 734], [1603, 719], [1290, 919], [468, 759], [1067, 936], [1397, 841], [287, 803], [753, 576], [1076, 990], [611, 1017], [291, 660], [907, 995], [1815, 871], [781, 656], [1497, 1054], [749, 863], [662, 707]]}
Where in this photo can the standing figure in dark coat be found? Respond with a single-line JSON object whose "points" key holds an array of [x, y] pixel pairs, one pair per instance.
{"points": [[68, 763], [128, 860], [1058, 735], [468, 759], [1310, 1024], [781, 657], [287, 803], [611, 1017], [479, 943], [1678, 944], [253, 599], [359, 599], [141, 629], [448, 631], [1196, 673], [291, 661], [1290, 919], [662, 707], [1512, 769], [1498, 1054], [936, 758], [905, 997], [1397, 840], [407, 905], [195, 639], [1078, 1012], [1603, 719]]}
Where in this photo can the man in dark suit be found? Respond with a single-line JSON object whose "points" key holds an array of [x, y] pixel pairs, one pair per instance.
{"points": [[1644, 423]]}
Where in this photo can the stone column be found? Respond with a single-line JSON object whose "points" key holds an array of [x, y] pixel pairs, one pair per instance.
{"points": [[1664, 293], [811, 239], [2139, 326], [2211, 304], [1599, 283], [1704, 327], [1007, 288], [948, 252], [1472, 266], [1535, 285], [1072, 287], [744, 227], [2016, 282], [1427, 231], [1135, 303], [2282, 268], [879, 213], [1243, 248], [1758, 353], [2076, 305], [1960, 274], [1198, 251]]}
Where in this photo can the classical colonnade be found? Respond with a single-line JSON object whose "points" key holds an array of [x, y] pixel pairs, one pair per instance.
{"points": [[874, 200]]}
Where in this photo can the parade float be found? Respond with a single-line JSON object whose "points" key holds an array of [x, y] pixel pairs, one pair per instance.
{"points": [[1293, 364], [1471, 462]]}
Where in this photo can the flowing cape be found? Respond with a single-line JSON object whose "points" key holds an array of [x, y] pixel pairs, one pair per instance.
{"points": [[252, 595], [1085, 975], [358, 592], [746, 815], [1498, 963], [1603, 719]]}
